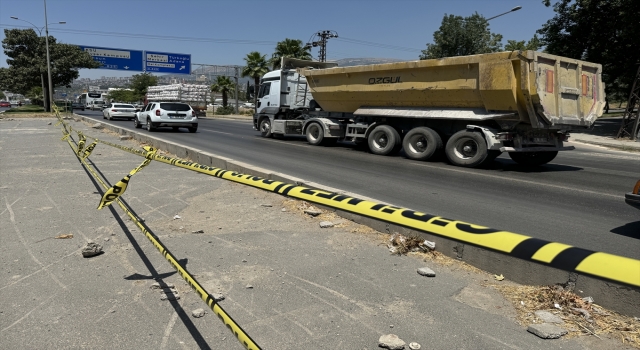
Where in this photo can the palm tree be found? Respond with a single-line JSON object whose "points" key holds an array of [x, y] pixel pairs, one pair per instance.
{"points": [[256, 67], [291, 48], [223, 85]]}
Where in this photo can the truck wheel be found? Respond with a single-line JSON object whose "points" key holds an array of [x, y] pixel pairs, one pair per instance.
{"points": [[467, 149], [136, 123], [265, 127], [384, 140], [315, 134], [421, 143], [533, 158], [150, 126]]}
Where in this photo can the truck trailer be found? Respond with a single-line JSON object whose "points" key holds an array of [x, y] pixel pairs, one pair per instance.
{"points": [[471, 108]]}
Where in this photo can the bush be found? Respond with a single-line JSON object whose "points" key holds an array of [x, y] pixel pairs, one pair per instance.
{"points": [[225, 110]]}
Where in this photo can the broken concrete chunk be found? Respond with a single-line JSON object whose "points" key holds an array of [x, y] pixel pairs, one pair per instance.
{"points": [[158, 286], [248, 286], [312, 211], [125, 137], [326, 224], [198, 231], [548, 317], [266, 205], [197, 313], [217, 297], [546, 331], [425, 271], [91, 249], [177, 217], [391, 342], [97, 126]]}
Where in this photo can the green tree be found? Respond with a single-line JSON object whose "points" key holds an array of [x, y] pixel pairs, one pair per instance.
{"points": [[122, 95], [225, 86], [599, 31], [140, 83], [26, 52], [2, 96], [256, 67], [461, 36], [533, 44], [291, 48]]}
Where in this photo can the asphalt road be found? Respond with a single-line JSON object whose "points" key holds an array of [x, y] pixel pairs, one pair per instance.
{"points": [[578, 199]]}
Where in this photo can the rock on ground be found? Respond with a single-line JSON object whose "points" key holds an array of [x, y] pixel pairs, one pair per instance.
{"points": [[546, 331], [326, 224], [425, 271], [391, 342], [91, 249], [197, 313]]}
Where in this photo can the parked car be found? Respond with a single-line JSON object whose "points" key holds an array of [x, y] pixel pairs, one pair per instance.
{"points": [[5, 104], [633, 198], [119, 110], [77, 105], [172, 114], [96, 105], [138, 107], [248, 105]]}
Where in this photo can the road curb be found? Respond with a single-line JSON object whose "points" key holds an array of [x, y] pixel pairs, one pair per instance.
{"points": [[618, 297], [621, 147]]}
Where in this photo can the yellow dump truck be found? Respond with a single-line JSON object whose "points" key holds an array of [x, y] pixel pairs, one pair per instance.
{"points": [[472, 108]]}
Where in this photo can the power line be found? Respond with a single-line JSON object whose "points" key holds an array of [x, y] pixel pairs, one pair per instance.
{"points": [[150, 36], [210, 40]]}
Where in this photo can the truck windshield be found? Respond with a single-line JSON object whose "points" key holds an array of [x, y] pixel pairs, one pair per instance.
{"points": [[265, 88], [175, 107]]}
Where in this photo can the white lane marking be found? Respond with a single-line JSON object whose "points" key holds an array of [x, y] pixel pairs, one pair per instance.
{"points": [[29, 313], [520, 180], [219, 132]]}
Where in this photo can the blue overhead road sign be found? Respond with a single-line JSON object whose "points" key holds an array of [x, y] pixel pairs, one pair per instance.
{"points": [[117, 59], [163, 62]]}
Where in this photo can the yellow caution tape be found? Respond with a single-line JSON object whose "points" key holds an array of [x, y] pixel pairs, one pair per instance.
{"points": [[228, 321], [119, 188]]}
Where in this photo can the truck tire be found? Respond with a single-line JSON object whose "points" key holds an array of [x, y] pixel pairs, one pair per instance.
{"points": [[533, 158], [136, 123], [315, 134], [150, 126], [265, 127], [421, 143], [384, 140], [467, 149]]}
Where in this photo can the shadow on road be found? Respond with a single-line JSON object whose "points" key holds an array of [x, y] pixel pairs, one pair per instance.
{"points": [[631, 229]]}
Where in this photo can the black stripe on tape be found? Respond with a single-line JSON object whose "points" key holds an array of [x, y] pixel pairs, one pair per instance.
{"points": [[570, 258], [289, 188], [527, 248]]}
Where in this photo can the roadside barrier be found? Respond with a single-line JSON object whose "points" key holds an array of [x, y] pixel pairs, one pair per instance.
{"points": [[558, 255], [113, 193]]}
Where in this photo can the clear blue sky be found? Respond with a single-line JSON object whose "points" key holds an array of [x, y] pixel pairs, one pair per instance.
{"points": [[233, 28]]}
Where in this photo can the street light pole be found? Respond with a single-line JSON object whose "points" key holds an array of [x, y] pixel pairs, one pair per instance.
{"points": [[46, 25], [502, 14]]}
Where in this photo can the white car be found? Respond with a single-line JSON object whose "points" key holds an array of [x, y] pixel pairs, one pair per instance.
{"points": [[119, 110], [248, 105], [96, 105], [160, 114]]}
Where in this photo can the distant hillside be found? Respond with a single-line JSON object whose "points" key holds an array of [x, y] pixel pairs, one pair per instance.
{"points": [[346, 62]]}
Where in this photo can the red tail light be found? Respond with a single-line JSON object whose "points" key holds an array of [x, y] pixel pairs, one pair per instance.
{"points": [[157, 112], [114, 110]]}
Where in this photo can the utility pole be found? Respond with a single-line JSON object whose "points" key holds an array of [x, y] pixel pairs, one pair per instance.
{"points": [[237, 76], [320, 39]]}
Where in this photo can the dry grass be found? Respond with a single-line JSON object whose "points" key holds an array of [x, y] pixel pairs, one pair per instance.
{"points": [[580, 316]]}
